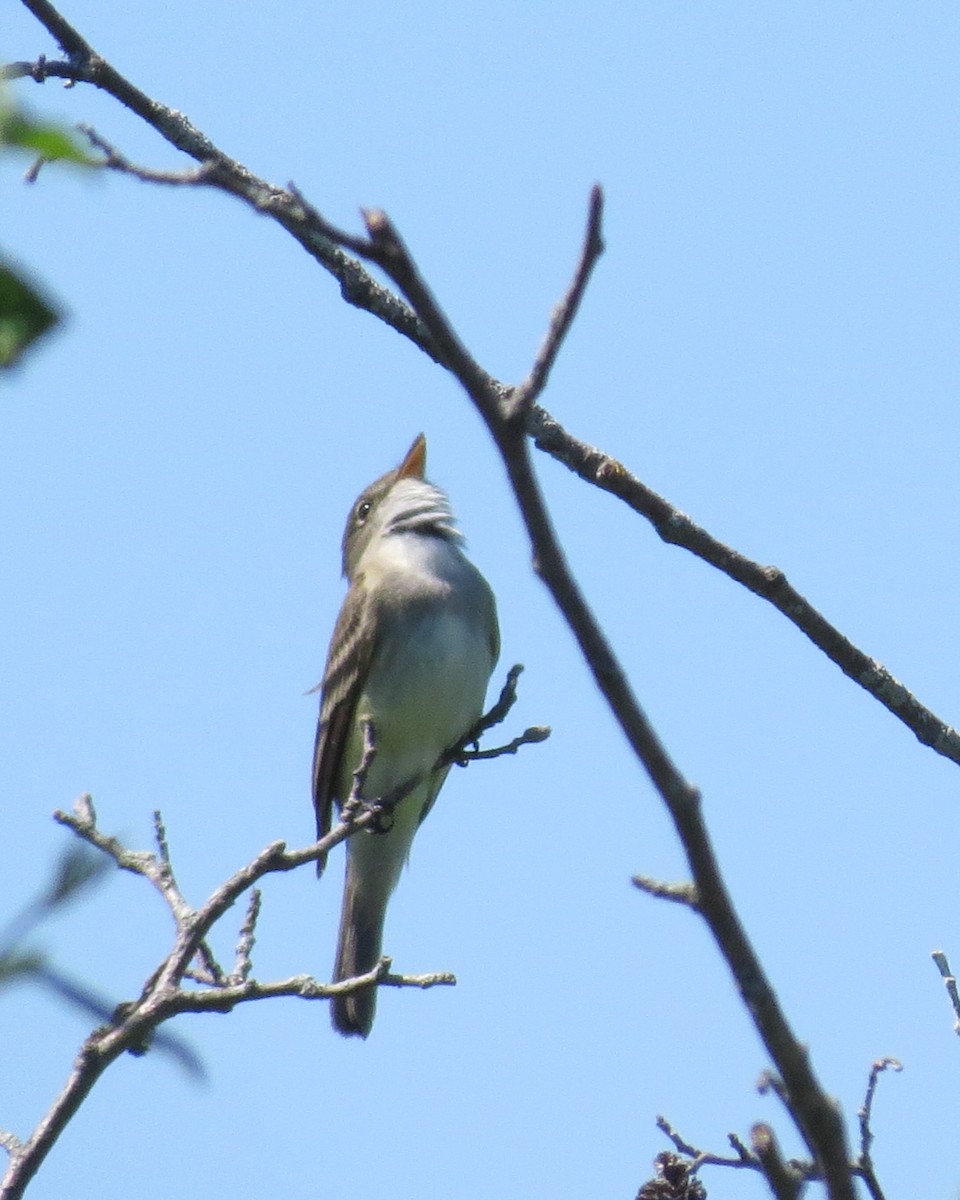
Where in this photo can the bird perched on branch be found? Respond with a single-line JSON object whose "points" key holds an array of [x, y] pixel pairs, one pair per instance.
{"points": [[411, 654]]}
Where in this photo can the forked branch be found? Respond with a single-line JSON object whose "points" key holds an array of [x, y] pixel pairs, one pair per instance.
{"points": [[815, 1113], [326, 244], [189, 979]]}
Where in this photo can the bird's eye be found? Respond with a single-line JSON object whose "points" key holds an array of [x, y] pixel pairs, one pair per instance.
{"points": [[363, 511]]}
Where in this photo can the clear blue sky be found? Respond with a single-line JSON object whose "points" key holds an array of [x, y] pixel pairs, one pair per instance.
{"points": [[770, 341]]}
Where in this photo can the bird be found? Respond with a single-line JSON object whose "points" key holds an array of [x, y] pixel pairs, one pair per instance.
{"points": [[412, 652]]}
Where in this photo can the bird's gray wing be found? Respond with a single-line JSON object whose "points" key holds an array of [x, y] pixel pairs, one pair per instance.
{"points": [[348, 660]]}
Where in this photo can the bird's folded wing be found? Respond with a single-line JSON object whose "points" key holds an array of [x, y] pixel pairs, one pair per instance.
{"points": [[348, 659]]}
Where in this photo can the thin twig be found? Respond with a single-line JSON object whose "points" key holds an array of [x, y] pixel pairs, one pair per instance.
{"points": [[354, 801], [113, 160], [531, 736], [205, 968], [496, 715], [866, 1110], [298, 987], [139, 862], [160, 836], [680, 893], [950, 982], [678, 1140], [525, 396], [459, 753], [745, 1159], [765, 1158], [389, 252], [243, 966], [865, 1162], [745, 1155]]}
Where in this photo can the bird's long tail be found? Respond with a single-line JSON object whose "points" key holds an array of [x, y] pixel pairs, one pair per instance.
{"points": [[358, 949]]}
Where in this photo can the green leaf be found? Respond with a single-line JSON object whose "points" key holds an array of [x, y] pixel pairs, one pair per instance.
{"points": [[24, 316], [46, 141], [20, 130]]}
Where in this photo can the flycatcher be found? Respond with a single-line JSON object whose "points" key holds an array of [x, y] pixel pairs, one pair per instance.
{"points": [[412, 652]]}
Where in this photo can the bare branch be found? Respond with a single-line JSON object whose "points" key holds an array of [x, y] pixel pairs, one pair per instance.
{"points": [[425, 324], [205, 968], [817, 1116], [496, 715], [743, 1153], [786, 1178], [243, 966], [323, 242], [866, 1112], [680, 1142], [762, 1138], [160, 836], [459, 754], [388, 251], [354, 802], [865, 1162], [84, 65], [680, 893], [784, 1182], [299, 987], [950, 983], [563, 315], [769, 583], [152, 867], [531, 736], [114, 161], [132, 1026]]}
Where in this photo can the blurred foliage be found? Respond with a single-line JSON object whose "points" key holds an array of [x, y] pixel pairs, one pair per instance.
{"points": [[21, 131], [77, 870], [24, 315]]}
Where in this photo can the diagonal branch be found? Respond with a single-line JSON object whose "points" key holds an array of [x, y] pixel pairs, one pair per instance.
{"points": [[816, 1115], [950, 983], [132, 1025], [422, 320], [563, 315], [601, 470], [84, 65], [358, 287], [865, 1162]]}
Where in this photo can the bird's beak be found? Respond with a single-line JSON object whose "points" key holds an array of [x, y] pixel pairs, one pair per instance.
{"points": [[415, 463]]}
